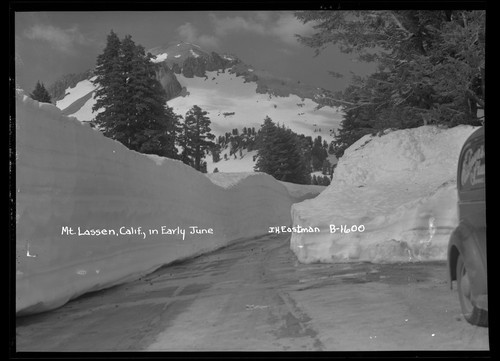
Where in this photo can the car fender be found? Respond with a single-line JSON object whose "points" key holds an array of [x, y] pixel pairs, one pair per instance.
{"points": [[464, 240]]}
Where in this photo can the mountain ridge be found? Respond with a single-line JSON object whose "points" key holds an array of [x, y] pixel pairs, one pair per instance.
{"points": [[190, 60]]}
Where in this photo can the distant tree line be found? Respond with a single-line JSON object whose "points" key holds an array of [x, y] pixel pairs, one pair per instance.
{"points": [[281, 153]]}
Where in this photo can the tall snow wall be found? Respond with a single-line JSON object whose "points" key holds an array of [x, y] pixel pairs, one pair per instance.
{"points": [[71, 180], [392, 198]]}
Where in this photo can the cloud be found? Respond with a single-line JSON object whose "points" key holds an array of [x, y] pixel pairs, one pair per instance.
{"points": [[228, 25], [189, 33], [281, 25], [63, 40], [287, 25]]}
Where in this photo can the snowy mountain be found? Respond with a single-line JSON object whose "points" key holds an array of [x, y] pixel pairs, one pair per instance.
{"points": [[233, 93]]}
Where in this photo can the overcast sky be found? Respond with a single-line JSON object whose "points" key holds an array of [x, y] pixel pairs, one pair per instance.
{"points": [[51, 44]]}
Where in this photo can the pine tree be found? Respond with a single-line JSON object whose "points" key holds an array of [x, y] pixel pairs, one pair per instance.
{"points": [[280, 154], [326, 167], [266, 142], [318, 154], [110, 82], [314, 180], [41, 94], [216, 153], [294, 168], [431, 67], [203, 167], [131, 101], [184, 141], [331, 148], [196, 137]]}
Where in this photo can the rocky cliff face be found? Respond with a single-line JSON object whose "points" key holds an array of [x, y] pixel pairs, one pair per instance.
{"points": [[198, 66], [169, 81], [190, 60]]}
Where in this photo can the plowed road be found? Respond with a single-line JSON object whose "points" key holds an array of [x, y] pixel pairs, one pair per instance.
{"points": [[253, 296]]}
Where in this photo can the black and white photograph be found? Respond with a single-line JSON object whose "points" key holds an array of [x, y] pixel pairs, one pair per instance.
{"points": [[246, 180]]}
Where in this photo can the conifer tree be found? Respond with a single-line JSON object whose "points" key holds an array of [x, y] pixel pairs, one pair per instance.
{"points": [[203, 167], [184, 141], [266, 141], [318, 154], [110, 82], [314, 180], [41, 94], [431, 68], [326, 167], [216, 153], [280, 154], [131, 101], [196, 137], [293, 167]]}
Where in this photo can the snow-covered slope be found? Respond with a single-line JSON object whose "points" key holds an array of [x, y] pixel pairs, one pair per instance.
{"points": [[73, 94], [234, 103], [74, 185], [398, 189], [231, 103], [243, 163]]}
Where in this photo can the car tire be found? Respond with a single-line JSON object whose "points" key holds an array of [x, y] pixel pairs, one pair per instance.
{"points": [[472, 314]]}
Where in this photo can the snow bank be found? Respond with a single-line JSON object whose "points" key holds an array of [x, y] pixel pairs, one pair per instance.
{"points": [[297, 192], [81, 198], [397, 195], [300, 192], [228, 180]]}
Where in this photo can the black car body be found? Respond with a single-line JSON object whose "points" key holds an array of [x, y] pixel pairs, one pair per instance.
{"points": [[467, 246]]}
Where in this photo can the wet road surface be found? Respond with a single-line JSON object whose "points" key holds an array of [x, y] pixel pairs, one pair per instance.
{"points": [[254, 296]]}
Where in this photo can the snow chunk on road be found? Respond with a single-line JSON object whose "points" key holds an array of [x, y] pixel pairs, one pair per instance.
{"points": [[400, 187]]}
